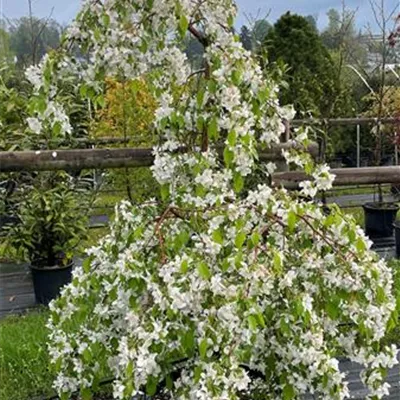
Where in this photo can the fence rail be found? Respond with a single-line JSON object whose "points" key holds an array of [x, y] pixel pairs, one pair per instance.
{"points": [[119, 158], [345, 176], [49, 160]]}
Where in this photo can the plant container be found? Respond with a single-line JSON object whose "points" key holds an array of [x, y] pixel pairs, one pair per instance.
{"points": [[48, 281], [379, 219], [7, 220], [397, 237]]}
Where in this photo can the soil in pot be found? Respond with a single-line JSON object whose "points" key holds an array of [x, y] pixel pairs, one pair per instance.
{"points": [[48, 281], [379, 219], [397, 237]]}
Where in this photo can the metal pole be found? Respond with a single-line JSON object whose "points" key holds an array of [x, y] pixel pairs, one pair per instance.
{"points": [[358, 147]]}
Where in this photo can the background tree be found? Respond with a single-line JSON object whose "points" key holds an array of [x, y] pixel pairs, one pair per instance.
{"points": [[246, 37], [341, 34], [5, 50], [259, 32], [345, 46], [32, 37], [312, 20], [194, 51], [295, 42]]}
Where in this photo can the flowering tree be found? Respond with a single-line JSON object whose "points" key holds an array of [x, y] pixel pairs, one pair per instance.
{"points": [[216, 293]]}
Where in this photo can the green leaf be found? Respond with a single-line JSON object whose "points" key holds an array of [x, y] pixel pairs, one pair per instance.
{"points": [[200, 97], [260, 319], [277, 263], [87, 264], [143, 46], [380, 295], [238, 182], [197, 373], [41, 104], [292, 219], [212, 129], [236, 77], [87, 355], [217, 236], [203, 348], [100, 100], [165, 192], [332, 309], [106, 20], [169, 382], [288, 392], [188, 341], [255, 238], [204, 271], [231, 138], [129, 369], [252, 322], [240, 239], [228, 156], [58, 364], [183, 25], [184, 266], [57, 128], [86, 394], [284, 327], [200, 123], [151, 386], [360, 245], [212, 86]]}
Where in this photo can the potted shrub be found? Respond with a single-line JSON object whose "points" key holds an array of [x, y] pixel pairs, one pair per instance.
{"points": [[7, 203], [380, 215], [383, 101], [50, 230]]}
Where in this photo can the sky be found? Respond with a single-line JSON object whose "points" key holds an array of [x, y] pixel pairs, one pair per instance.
{"points": [[65, 10]]}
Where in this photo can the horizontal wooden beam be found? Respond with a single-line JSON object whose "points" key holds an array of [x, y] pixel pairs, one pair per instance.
{"points": [[49, 160], [74, 159], [120, 158], [344, 176], [345, 121]]}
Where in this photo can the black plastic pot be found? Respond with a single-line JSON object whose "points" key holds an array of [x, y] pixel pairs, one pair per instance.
{"points": [[379, 219], [397, 237], [7, 220], [48, 281]]}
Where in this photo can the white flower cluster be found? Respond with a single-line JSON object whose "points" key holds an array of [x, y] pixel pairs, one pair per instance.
{"points": [[215, 293]]}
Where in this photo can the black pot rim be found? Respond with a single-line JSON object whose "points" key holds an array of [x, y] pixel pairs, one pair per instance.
{"points": [[53, 268], [389, 206]]}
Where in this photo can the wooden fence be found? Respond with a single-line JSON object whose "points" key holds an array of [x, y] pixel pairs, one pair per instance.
{"points": [[119, 158], [78, 159], [49, 160]]}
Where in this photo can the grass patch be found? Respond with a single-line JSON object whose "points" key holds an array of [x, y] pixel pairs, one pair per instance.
{"points": [[94, 236], [25, 372], [24, 359], [106, 202], [352, 190], [357, 213]]}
